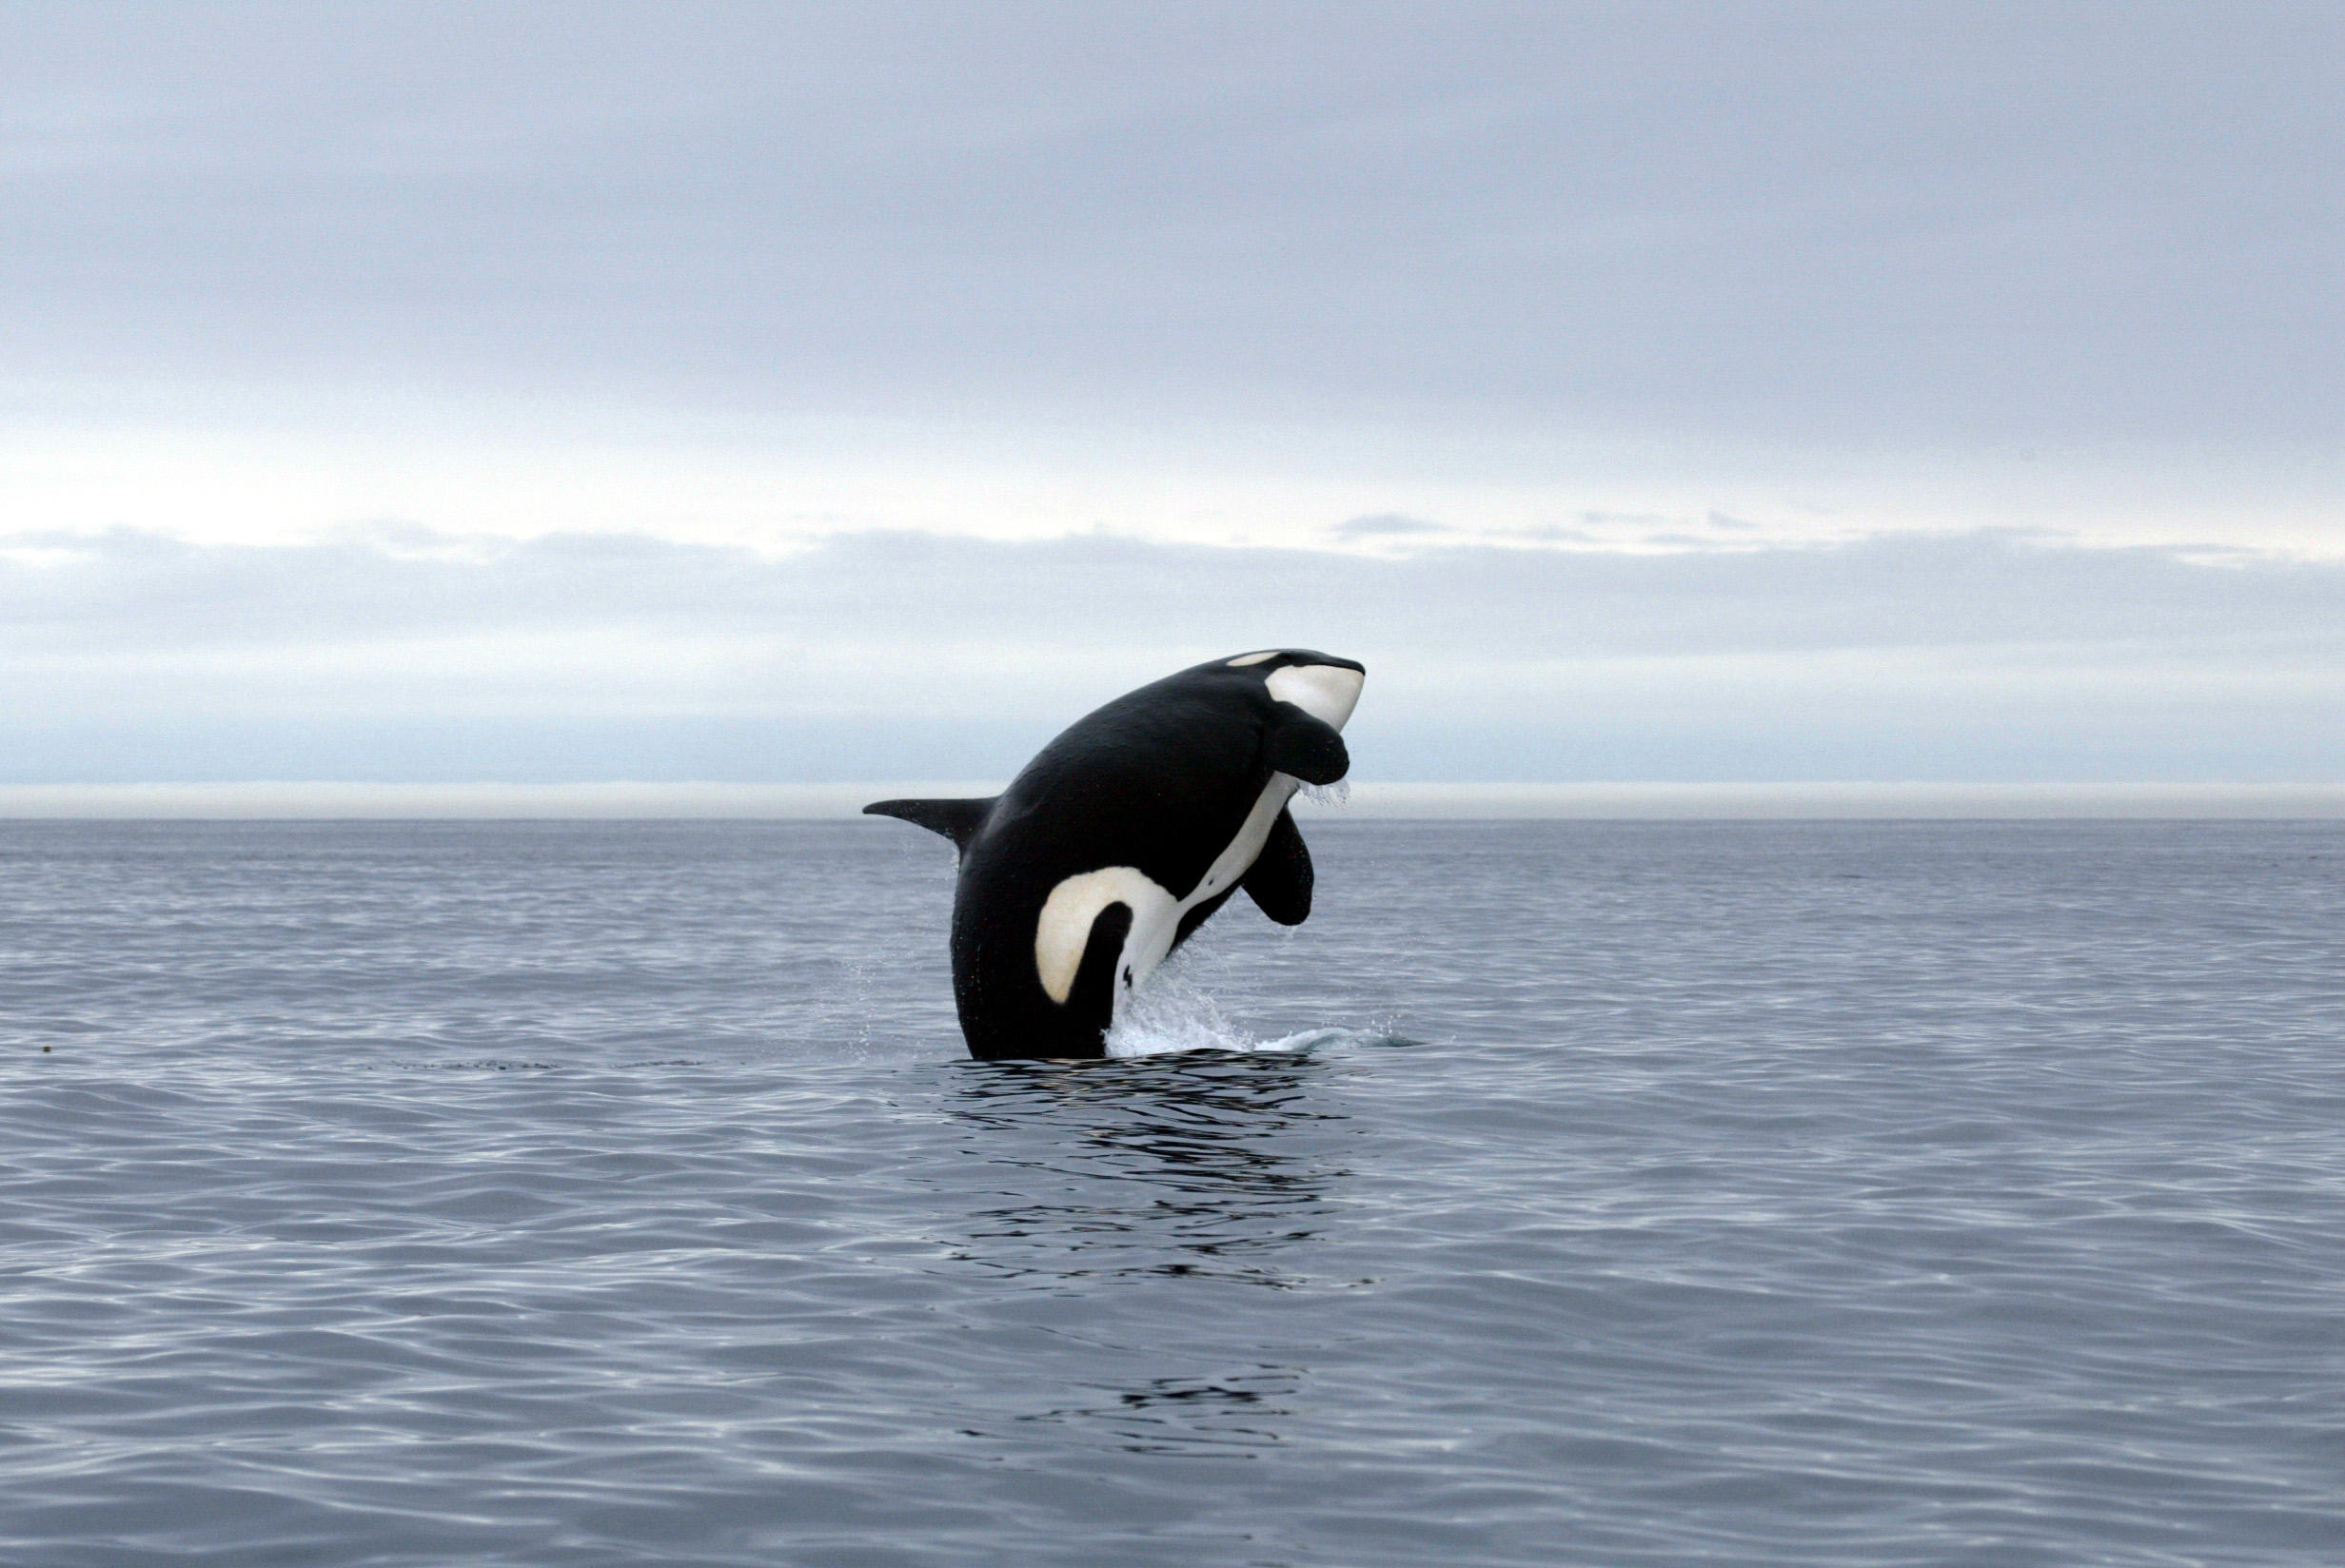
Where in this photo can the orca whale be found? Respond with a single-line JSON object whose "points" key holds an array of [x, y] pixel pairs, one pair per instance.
{"points": [[1123, 836]]}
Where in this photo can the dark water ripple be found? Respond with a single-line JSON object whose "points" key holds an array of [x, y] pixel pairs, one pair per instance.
{"points": [[1901, 1194]]}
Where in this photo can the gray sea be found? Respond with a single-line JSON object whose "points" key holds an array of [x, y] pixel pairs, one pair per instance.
{"points": [[1811, 1194]]}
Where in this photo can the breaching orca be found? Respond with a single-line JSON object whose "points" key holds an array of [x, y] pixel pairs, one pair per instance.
{"points": [[1125, 833]]}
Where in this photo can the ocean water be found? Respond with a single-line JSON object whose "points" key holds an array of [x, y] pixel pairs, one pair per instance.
{"points": [[1562, 1193]]}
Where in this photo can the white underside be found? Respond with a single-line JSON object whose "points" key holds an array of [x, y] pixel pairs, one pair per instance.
{"points": [[1064, 930]]}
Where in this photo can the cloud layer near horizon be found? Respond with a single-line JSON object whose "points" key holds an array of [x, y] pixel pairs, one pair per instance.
{"points": [[404, 655]]}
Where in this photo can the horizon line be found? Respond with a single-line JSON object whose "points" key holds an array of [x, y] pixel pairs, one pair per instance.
{"points": [[636, 801]]}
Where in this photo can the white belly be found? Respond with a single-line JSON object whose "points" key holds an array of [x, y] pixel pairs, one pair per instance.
{"points": [[1067, 914]]}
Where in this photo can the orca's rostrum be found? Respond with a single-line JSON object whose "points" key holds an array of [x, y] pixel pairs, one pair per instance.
{"points": [[1124, 834]]}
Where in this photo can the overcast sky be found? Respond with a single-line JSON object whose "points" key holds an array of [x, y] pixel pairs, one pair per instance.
{"points": [[1644, 391]]}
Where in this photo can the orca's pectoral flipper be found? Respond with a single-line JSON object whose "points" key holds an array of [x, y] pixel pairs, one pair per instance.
{"points": [[958, 820], [1281, 878], [1309, 749]]}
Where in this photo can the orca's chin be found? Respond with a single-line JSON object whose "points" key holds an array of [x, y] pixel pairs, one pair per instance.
{"points": [[1327, 692]]}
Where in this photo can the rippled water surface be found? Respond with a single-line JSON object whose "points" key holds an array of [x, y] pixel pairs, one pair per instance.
{"points": [[582, 1194]]}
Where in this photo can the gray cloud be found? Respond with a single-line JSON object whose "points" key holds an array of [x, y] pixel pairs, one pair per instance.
{"points": [[1386, 525], [1953, 224]]}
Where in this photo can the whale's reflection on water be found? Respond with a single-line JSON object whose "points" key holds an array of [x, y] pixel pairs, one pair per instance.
{"points": [[1228, 1415], [1118, 1204], [1204, 1164]]}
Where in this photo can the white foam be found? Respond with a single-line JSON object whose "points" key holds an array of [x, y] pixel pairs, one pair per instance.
{"points": [[1171, 1014]]}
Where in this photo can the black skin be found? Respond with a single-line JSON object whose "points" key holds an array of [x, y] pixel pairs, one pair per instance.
{"points": [[1159, 779]]}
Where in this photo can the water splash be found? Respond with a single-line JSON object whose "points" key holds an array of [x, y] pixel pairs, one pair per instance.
{"points": [[1337, 794], [1174, 1014]]}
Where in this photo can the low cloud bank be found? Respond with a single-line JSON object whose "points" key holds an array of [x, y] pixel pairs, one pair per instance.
{"points": [[400, 654]]}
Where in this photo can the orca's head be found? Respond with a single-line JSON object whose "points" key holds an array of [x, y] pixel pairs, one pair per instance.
{"points": [[1320, 684]]}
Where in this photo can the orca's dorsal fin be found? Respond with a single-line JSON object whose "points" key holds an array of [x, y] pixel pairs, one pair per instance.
{"points": [[958, 820]]}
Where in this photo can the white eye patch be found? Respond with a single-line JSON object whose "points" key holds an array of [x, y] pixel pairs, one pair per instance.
{"points": [[1243, 659]]}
